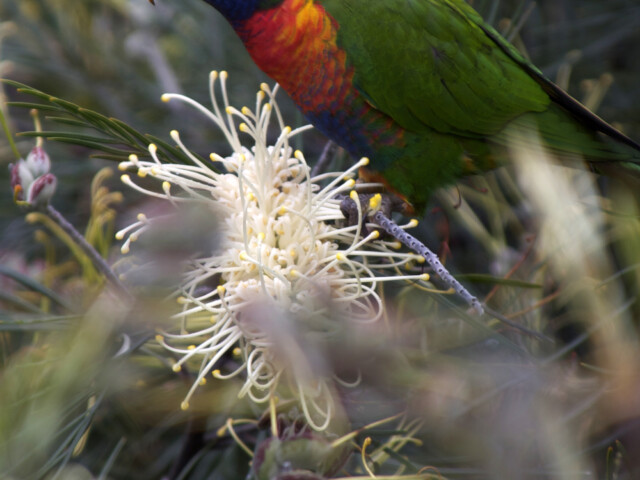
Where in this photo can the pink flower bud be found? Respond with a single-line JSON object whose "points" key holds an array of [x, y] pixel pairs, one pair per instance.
{"points": [[38, 161], [31, 182], [42, 190]]}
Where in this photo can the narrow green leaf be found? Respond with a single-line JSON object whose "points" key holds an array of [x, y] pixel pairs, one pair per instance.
{"points": [[68, 121], [128, 132], [401, 459], [111, 158], [77, 427], [35, 286], [70, 135], [94, 116], [38, 106], [18, 302], [108, 464], [92, 145], [71, 107], [38, 324]]}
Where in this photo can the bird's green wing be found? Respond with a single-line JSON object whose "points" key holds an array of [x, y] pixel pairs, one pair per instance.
{"points": [[557, 95], [430, 64]]}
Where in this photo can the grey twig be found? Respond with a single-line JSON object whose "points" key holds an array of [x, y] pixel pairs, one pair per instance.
{"points": [[91, 252], [431, 258]]}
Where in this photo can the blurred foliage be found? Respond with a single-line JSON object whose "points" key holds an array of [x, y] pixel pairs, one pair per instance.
{"points": [[84, 395]]}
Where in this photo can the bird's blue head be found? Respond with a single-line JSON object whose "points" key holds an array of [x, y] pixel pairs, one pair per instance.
{"points": [[238, 10]]}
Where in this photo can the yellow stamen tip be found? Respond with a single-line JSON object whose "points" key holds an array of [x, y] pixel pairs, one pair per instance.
{"points": [[215, 373], [375, 201], [191, 347], [166, 186], [353, 195], [340, 257], [165, 97], [424, 277], [176, 367], [184, 406], [413, 223], [159, 338], [375, 235], [203, 381], [364, 161], [245, 110], [237, 351], [221, 289], [119, 235], [350, 183], [261, 236]]}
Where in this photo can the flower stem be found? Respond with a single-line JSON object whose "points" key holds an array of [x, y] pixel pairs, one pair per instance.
{"points": [[432, 259], [91, 252]]}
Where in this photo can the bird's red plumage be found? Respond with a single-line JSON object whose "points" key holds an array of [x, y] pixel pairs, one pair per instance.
{"points": [[295, 43]]}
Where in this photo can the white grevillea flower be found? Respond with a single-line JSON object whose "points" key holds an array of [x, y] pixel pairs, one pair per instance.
{"points": [[283, 248]]}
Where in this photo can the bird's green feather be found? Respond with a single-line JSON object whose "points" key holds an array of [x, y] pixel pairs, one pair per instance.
{"points": [[463, 94], [429, 66]]}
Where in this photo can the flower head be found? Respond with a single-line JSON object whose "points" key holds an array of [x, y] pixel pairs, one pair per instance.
{"points": [[31, 182], [284, 256]]}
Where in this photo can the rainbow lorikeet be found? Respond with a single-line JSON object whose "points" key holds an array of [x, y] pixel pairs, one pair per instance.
{"points": [[424, 88]]}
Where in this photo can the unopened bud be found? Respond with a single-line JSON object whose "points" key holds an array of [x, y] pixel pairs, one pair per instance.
{"points": [[38, 162], [31, 182], [42, 189]]}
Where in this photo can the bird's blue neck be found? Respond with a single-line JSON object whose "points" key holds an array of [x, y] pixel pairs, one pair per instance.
{"points": [[239, 10]]}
